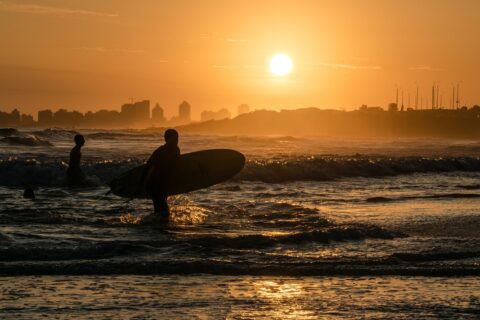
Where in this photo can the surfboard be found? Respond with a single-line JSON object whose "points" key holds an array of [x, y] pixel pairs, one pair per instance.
{"points": [[196, 170]]}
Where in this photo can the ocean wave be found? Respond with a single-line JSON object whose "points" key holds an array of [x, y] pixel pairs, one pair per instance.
{"points": [[6, 132], [16, 172], [469, 186], [434, 256], [100, 250], [118, 248], [324, 235], [432, 196], [330, 168], [19, 172], [122, 135], [216, 267], [4, 238], [56, 133], [258, 139], [28, 140]]}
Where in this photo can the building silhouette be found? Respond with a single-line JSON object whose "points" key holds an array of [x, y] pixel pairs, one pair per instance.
{"points": [[392, 107], [45, 118], [136, 114], [215, 115], [67, 118], [27, 120], [10, 119], [365, 108], [243, 108], [15, 116], [158, 117], [103, 119], [184, 110]]}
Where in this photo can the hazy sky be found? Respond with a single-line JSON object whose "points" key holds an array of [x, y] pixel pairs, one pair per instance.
{"points": [[91, 54]]}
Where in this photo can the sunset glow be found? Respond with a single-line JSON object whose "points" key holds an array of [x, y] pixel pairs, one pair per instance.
{"points": [[223, 159], [281, 64]]}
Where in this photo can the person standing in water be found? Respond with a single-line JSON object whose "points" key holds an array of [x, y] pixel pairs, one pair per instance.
{"points": [[75, 176], [157, 173]]}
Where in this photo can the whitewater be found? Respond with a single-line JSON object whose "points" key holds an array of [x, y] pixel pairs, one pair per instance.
{"points": [[313, 226]]}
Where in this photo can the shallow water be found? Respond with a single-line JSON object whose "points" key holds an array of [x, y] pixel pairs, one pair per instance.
{"points": [[382, 210], [242, 297]]}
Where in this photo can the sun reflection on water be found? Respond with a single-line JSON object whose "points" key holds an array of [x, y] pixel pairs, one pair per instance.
{"points": [[279, 299]]}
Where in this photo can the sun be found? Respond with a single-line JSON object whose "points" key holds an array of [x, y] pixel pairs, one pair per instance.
{"points": [[281, 64]]}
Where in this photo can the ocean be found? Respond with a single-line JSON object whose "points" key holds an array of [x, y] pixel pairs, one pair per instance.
{"points": [[313, 227]]}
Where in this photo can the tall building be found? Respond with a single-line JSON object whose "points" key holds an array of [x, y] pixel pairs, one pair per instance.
{"points": [[243, 108], [45, 118], [63, 117], [158, 117], [15, 116], [137, 113], [184, 110], [27, 120], [215, 115], [10, 119]]}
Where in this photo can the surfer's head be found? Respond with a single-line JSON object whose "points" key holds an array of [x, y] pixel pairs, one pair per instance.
{"points": [[79, 140], [171, 136]]}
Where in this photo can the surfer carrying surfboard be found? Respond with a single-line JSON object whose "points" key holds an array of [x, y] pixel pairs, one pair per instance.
{"points": [[156, 174]]}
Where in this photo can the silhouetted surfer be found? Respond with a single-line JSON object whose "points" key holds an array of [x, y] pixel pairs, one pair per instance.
{"points": [[157, 173], [75, 176]]}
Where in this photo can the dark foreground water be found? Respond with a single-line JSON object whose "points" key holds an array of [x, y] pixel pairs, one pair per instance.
{"points": [[311, 227]]}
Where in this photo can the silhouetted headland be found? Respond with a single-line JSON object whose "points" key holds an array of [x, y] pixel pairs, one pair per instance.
{"points": [[462, 123]]}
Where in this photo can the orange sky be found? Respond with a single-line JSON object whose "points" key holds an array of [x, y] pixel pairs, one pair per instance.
{"points": [[91, 54]]}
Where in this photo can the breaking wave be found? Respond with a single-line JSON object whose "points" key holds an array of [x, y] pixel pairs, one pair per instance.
{"points": [[432, 196], [6, 132], [122, 135], [330, 168], [216, 267], [55, 133], [19, 172], [29, 141]]}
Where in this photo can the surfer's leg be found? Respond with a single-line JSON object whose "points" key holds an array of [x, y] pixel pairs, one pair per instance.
{"points": [[160, 206], [164, 210]]}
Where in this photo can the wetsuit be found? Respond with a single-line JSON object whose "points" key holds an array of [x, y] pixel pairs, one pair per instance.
{"points": [[158, 171], [75, 175]]}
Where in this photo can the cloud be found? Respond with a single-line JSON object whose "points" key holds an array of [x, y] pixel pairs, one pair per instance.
{"points": [[423, 68], [228, 39], [95, 49], [46, 10], [350, 66], [104, 50], [236, 40]]}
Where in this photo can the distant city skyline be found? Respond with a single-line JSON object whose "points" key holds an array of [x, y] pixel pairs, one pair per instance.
{"points": [[139, 114], [130, 115]]}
